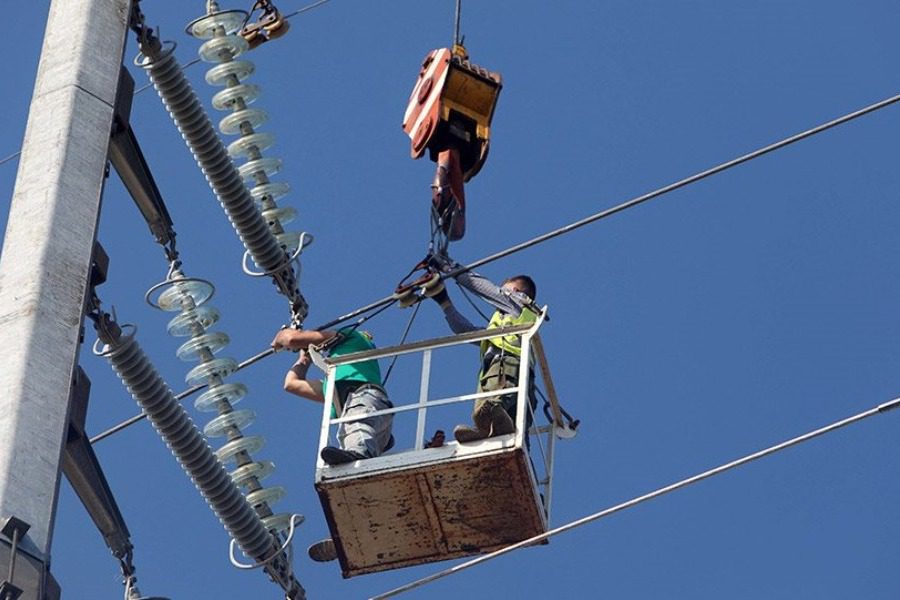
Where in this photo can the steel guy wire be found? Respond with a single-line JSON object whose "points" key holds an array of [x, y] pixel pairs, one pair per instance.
{"points": [[385, 302], [881, 408]]}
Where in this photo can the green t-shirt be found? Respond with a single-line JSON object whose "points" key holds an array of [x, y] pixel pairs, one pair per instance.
{"points": [[367, 371], [363, 372]]}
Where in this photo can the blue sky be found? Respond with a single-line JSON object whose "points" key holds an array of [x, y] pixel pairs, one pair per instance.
{"points": [[705, 325]]}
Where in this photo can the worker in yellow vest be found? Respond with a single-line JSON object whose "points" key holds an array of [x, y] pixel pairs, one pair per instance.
{"points": [[500, 356]]}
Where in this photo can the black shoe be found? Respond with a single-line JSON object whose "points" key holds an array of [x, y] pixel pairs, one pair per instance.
{"points": [[336, 456], [323, 551]]}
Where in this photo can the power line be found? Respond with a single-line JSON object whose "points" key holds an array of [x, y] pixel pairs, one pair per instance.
{"points": [[382, 304], [644, 198], [881, 408], [246, 363], [10, 157], [305, 8]]}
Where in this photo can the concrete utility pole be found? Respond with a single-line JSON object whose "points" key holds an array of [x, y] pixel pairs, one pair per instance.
{"points": [[44, 268]]}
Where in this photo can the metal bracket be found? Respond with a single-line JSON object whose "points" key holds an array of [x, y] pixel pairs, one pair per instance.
{"points": [[9, 592], [14, 529]]}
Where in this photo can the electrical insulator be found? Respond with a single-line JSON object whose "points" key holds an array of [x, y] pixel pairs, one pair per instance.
{"points": [[223, 46], [188, 297]]}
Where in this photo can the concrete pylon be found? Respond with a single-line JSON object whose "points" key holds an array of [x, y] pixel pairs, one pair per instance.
{"points": [[45, 262]]}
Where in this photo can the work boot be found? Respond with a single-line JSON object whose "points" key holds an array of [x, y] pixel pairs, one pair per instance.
{"points": [[501, 422], [482, 418], [338, 456], [465, 434], [323, 551]]}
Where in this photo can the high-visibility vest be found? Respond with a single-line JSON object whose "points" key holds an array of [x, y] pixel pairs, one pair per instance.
{"points": [[509, 344]]}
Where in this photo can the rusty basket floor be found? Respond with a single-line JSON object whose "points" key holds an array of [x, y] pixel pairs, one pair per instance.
{"points": [[409, 515]]}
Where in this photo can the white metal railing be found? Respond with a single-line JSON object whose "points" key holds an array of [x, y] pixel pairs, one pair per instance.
{"points": [[539, 441]]}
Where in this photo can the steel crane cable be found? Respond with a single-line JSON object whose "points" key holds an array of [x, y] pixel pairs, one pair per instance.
{"points": [[881, 408]]}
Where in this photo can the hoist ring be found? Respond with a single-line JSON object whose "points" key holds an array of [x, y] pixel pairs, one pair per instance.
{"points": [[105, 353]]}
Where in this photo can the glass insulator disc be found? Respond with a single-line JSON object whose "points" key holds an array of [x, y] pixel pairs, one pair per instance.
{"points": [[223, 49], [241, 146], [231, 124], [194, 347], [282, 214], [248, 444], [289, 240], [174, 297], [218, 367], [232, 393], [260, 470], [268, 166], [238, 418], [241, 69], [274, 190], [269, 495], [281, 522], [205, 27], [189, 321], [225, 99]]}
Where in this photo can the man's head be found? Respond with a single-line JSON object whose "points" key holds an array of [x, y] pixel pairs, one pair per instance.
{"points": [[521, 283]]}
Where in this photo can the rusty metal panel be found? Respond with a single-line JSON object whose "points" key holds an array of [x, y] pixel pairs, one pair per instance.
{"points": [[485, 502], [426, 513]]}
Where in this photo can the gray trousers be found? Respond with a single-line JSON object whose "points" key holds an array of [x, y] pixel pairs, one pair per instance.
{"points": [[368, 436]]}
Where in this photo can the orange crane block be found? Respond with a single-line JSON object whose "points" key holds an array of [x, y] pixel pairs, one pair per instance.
{"points": [[451, 106]]}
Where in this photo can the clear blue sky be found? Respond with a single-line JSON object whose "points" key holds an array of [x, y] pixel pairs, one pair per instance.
{"points": [[687, 332]]}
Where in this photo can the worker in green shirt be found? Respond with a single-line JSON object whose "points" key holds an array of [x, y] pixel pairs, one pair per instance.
{"points": [[358, 387]]}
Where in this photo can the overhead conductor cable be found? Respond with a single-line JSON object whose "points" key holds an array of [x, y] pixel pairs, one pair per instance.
{"points": [[566, 229], [876, 410]]}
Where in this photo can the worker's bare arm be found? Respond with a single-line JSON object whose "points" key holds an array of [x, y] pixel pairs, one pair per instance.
{"points": [[300, 339], [295, 380]]}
